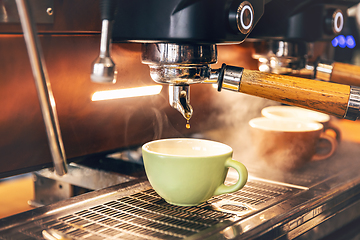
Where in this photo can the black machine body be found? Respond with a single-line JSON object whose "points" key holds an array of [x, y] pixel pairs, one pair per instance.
{"points": [[185, 21], [302, 20]]}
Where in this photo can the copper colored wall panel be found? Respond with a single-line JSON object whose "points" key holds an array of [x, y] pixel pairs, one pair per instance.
{"points": [[87, 127]]}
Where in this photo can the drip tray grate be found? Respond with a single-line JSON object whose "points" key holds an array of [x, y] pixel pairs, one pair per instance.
{"points": [[145, 215]]}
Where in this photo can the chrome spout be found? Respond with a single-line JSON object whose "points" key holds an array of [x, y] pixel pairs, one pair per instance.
{"points": [[179, 98], [180, 65]]}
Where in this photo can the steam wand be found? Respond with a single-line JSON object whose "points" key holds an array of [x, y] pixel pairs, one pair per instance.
{"points": [[104, 68]]}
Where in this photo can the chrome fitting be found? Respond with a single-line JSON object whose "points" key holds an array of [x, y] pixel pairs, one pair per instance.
{"points": [[179, 74], [282, 57], [353, 108], [229, 77], [323, 70], [179, 64]]}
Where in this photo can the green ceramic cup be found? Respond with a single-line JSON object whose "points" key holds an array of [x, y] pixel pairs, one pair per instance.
{"points": [[187, 171]]}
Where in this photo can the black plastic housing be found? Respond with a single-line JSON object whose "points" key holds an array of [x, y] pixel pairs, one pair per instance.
{"points": [[299, 20], [107, 9], [189, 21]]}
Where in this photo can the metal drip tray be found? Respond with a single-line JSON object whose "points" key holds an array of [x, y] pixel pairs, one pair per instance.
{"points": [[307, 204], [139, 213]]}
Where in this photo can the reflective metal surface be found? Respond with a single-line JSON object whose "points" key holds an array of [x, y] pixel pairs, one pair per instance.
{"points": [[323, 70], [43, 87], [43, 11], [50, 188], [104, 68], [231, 79], [173, 54], [179, 63], [52, 234], [353, 109], [282, 57], [144, 215], [298, 206], [179, 74], [179, 98]]}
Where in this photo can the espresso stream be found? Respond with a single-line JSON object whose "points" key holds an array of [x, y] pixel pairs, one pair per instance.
{"points": [[187, 124]]}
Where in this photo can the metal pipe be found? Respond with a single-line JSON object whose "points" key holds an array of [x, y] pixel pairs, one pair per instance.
{"points": [[353, 108], [46, 98]]}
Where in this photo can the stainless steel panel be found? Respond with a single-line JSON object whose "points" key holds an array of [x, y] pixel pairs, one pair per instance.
{"points": [[54, 16], [43, 11], [50, 187]]}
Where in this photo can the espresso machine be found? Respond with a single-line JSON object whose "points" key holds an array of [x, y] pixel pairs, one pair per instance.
{"points": [[183, 57], [168, 47], [296, 46]]}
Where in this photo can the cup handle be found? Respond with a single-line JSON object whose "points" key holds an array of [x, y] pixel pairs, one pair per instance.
{"points": [[243, 175], [333, 144], [336, 130]]}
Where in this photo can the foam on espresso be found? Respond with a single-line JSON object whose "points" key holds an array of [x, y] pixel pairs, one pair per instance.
{"points": [[284, 125], [187, 147], [277, 112]]}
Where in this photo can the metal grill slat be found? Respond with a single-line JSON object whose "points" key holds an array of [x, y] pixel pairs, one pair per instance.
{"points": [[78, 233], [110, 222], [254, 195], [164, 219], [174, 214], [145, 215], [135, 227]]}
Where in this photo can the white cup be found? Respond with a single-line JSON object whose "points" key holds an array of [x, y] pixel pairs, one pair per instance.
{"points": [[281, 112], [288, 144]]}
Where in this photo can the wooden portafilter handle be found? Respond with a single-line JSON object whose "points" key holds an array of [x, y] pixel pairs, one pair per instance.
{"points": [[337, 72], [335, 99]]}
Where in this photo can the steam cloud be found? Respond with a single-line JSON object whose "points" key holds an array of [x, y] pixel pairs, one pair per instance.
{"points": [[237, 110]]}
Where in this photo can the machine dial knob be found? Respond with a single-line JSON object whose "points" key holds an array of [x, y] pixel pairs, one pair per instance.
{"points": [[334, 21], [245, 17]]}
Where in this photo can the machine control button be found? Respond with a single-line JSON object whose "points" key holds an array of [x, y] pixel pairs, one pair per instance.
{"points": [[245, 17], [334, 21]]}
